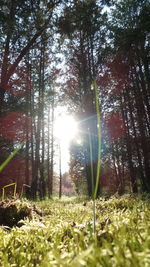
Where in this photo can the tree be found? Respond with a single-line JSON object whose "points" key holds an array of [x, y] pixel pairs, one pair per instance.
{"points": [[21, 25], [129, 95], [82, 24], [78, 168]]}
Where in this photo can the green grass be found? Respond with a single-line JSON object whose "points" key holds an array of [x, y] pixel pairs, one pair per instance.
{"points": [[63, 236]]}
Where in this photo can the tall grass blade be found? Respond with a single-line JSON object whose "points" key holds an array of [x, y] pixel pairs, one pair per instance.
{"points": [[99, 139], [6, 186], [91, 160], [96, 183], [10, 157]]}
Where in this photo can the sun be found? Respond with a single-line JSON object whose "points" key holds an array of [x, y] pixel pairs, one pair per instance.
{"points": [[65, 129]]}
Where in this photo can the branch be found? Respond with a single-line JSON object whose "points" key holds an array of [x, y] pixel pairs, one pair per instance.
{"points": [[23, 53], [30, 43]]}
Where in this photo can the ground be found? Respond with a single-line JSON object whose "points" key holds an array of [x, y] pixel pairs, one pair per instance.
{"points": [[62, 234]]}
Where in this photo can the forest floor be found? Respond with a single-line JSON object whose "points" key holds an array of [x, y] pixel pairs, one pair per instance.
{"points": [[62, 234]]}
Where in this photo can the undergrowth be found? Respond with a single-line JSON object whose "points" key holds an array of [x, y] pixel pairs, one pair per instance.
{"points": [[63, 235]]}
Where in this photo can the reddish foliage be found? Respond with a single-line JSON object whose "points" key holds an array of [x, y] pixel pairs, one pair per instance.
{"points": [[20, 84], [118, 88], [14, 126], [55, 74], [115, 126], [108, 181], [119, 68], [16, 92], [13, 172], [103, 80]]}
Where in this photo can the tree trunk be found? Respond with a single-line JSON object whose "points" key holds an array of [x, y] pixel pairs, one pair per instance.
{"points": [[128, 139]]}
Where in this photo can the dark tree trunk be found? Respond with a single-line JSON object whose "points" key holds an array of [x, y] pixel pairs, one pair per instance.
{"points": [[128, 140]]}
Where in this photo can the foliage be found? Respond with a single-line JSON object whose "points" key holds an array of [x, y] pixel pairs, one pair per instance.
{"points": [[77, 171], [121, 65], [86, 39], [63, 237], [26, 29]]}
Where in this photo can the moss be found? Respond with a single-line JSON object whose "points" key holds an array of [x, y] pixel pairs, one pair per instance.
{"points": [[12, 211]]}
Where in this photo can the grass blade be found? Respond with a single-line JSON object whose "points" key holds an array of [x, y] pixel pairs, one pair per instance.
{"points": [[10, 157]]}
